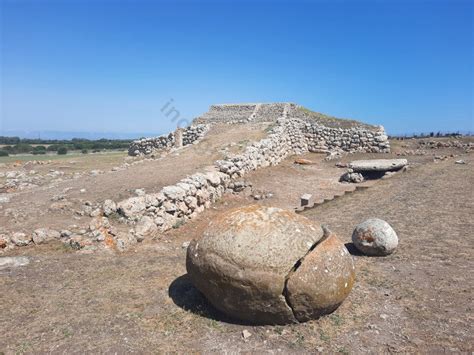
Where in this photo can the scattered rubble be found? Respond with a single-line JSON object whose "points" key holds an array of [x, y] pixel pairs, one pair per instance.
{"points": [[352, 177]]}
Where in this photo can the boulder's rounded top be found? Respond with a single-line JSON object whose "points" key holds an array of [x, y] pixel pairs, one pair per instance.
{"points": [[257, 237], [375, 237]]}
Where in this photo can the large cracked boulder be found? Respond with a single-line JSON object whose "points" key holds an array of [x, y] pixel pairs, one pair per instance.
{"points": [[270, 266]]}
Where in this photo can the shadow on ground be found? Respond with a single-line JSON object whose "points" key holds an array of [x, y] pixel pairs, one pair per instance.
{"points": [[351, 248], [185, 295]]}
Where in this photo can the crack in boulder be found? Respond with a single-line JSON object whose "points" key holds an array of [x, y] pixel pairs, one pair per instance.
{"points": [[295, 267]]}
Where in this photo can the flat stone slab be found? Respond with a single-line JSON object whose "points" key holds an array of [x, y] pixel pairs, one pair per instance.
{"points": [[377, 165]]}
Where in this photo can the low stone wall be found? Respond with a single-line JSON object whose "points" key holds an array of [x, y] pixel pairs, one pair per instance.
{"points": [[181, 137]]}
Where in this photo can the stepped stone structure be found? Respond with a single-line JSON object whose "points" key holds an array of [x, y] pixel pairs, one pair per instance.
{"points": [[294, 130], [308, 131]]}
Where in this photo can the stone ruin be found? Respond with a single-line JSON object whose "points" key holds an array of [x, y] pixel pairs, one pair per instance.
{"points": [[294, 130], [308, 131]]}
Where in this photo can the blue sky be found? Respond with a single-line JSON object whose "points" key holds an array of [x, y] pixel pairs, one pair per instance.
{"points": [[110, 65]]}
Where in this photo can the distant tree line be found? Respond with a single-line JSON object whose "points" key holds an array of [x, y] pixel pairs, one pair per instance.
{"points": [[16, 145], [429, 135]]}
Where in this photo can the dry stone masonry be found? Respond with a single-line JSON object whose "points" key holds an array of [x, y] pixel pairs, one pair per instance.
{"points": [[173, 205], [294, 130], [181, 137], [308, 131]]}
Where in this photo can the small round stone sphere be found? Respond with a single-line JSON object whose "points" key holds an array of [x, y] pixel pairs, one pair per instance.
{"points": [[375, 237], [266, 265]]}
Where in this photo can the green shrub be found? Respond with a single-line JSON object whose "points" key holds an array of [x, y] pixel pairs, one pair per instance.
{"points": [[3, 153], [23, 148], [62, 150], [84, 151]]}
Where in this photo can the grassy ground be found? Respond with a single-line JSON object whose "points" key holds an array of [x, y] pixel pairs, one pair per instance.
{"points": [[54, 156]]}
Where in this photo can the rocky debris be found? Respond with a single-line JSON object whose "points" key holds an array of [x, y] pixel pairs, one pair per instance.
{"points": [[409, 152], [352, 177], [21, 239], [43, 235], [13, 261], [109, 207], [377, 165], [4, 198], [337, 154], [256, 264], [375, 237], [132, 206], [79, 242], [140, 192], [439, 144], [261, 195], [65, 233], [4, 242], [145, 227], [239, 186], [246, 334]]}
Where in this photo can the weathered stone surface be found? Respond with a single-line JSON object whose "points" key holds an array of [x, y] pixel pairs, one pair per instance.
{"points": [[377, 165], [146, 227], [20, 239], [352, 177], [375, 237], [43, 235], [324, 279], [132, 206], [174, 192], [109, 207], [245, 257]]}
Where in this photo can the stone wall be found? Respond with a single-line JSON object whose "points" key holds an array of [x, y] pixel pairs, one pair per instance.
{"points": [[175, 204], [289, 135], [309, 131], [185, 136]]}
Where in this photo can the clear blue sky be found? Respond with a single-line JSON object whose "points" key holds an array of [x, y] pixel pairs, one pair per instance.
{"points": [[111, 65]]}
